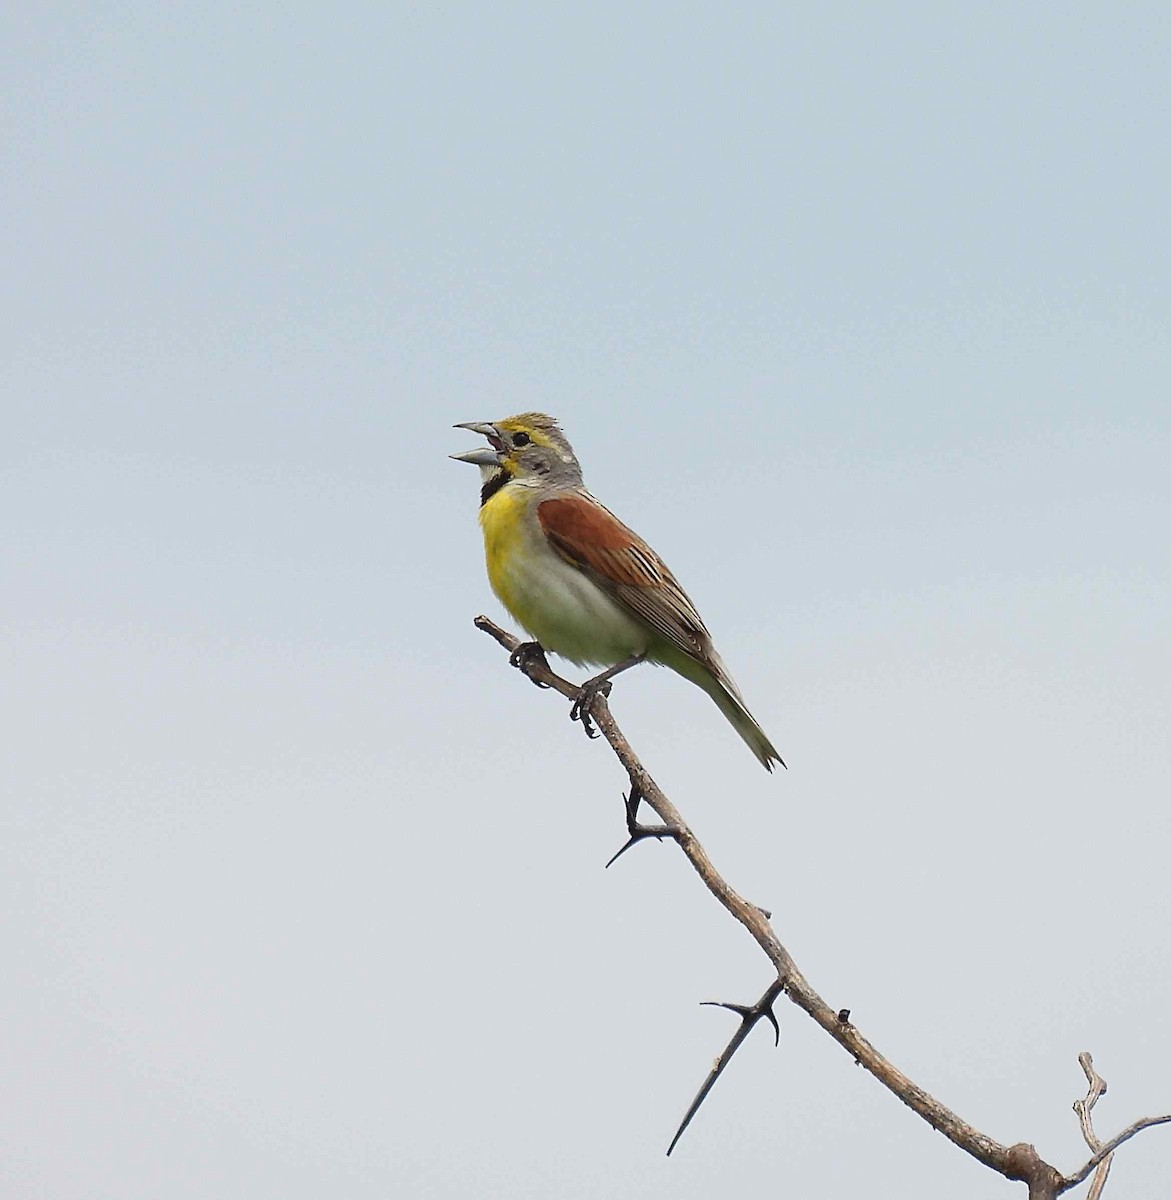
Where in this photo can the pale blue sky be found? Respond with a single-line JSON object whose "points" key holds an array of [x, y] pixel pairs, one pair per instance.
{"points": [[860, 314]]}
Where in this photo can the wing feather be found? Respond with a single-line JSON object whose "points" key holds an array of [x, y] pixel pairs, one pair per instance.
{"points": [[588, 535]]}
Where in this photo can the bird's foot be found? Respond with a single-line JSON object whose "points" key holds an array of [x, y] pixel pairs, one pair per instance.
{"points": [[530, 654], [582, 706]]}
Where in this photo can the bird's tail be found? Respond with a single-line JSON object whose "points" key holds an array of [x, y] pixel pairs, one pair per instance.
{"points": [[713, 677], [744, 723]]}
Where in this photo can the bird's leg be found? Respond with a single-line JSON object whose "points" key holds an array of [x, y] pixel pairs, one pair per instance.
{"points": [[529, 654], [599, 686]]}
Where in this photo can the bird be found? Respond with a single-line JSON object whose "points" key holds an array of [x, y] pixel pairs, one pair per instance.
{"points": [[585, 585]]}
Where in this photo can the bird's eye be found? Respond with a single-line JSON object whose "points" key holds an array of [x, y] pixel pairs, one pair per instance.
{"points": [[521, 439]]}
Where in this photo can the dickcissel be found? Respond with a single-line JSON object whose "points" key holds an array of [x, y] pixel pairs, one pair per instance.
{"points": [[582, 583]]}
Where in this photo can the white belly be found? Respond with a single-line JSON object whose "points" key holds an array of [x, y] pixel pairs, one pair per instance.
{"points": [[566, 611]]}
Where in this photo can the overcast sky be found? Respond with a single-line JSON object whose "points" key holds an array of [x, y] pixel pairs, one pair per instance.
{"points": [[859, 314]]}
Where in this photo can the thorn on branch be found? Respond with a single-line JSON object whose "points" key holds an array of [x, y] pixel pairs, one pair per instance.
{"points": [[749, 1015], [639, 833]]}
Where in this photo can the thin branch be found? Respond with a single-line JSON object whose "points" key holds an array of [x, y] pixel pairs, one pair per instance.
{"points": [[1106, 1150], [1085, 1109], [1018, 1162]]}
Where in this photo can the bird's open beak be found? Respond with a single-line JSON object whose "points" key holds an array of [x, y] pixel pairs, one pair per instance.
{"points": [[485, 456]]}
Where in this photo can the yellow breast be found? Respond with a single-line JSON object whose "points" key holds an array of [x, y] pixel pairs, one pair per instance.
{"points": [[505, 536], [557, 602]]}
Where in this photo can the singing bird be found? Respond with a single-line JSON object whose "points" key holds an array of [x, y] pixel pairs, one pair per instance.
{"points": [[582, 583]]}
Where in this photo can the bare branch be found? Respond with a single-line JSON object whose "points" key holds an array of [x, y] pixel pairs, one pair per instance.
{"points": [[1084, 1109], [1018, 1162], [1024, 1163], [1106, 1150]]}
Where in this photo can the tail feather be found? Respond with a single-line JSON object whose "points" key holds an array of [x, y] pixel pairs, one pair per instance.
{"points": [[745, 724], [713, 677]]}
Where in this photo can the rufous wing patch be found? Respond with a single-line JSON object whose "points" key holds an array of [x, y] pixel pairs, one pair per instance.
{"points": [[591, 537], [585, 533]]}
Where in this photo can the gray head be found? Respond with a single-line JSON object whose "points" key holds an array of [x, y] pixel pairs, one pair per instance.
{"points": [[528, 448]]}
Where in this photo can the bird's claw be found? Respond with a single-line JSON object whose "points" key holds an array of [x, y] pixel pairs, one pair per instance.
{"points": [[580, 711], [529, 654]]}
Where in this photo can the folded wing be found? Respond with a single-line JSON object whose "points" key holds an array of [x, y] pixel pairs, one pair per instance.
{"points": [[588, 535]]}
